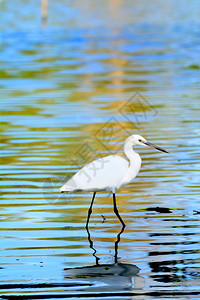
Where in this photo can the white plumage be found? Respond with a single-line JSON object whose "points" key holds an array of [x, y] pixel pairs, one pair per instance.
{"points": [[103, 174], [109, 173]]}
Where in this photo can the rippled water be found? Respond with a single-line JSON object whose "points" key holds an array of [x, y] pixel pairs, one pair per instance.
{"points": [[74, 89]]}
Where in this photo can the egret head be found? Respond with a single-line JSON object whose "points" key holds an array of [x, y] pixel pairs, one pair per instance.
{"points": [[137, 139]]}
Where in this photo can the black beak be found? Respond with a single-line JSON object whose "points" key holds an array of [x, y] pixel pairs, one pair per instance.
{"points": [[155, 146]]}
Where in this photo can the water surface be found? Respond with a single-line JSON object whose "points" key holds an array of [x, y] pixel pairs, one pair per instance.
{"points": [[74, 89]]}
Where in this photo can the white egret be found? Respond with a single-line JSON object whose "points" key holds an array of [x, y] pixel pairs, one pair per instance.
{"points": [[109, 173]]}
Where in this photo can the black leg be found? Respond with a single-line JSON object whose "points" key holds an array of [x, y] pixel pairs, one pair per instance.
{"points": [[116, 211], [90, 210]]}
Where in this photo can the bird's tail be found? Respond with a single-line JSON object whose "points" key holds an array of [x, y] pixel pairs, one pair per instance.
{"points": [[70, 186], [67, 188]]}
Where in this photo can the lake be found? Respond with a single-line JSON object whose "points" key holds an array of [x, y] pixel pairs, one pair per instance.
{"points": [[73, 88]]}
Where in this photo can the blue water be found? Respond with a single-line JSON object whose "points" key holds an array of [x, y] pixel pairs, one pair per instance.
{"points": [[73, 88]]}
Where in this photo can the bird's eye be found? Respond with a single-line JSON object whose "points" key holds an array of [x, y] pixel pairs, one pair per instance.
{"points": [[139, 140]]}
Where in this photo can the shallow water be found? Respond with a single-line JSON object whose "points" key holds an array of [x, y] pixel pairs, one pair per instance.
{"points": [[74, 89]]}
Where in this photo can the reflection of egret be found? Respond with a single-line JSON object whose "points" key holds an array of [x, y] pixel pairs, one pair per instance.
{"points": [[94, 250], [109, 173], [105, 279]]}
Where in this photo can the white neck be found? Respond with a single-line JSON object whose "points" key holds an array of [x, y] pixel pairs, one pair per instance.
{"points": [[129, 152], [134, 158]]}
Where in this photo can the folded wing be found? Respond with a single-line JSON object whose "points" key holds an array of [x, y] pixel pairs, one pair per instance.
{"points": [[100, 175]]}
